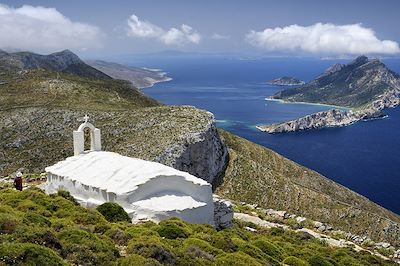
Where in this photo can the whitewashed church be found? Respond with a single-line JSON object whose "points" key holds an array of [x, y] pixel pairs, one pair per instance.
{"points": [[146, 190]]}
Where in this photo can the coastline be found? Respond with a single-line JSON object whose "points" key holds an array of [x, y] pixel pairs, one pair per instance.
{"points": [[308, 103], [161, 74], [155, 82]]}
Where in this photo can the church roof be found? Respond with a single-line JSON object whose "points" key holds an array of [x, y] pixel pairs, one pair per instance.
{"points": [[114, 172]]}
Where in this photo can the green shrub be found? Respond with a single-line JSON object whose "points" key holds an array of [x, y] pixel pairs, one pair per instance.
{"points": [[81, 247], [38, 235], [36, 219], [138, 231], [257, 253], [269, 248], [222, 240], [318, 260], [237, 259], [195, 256], [28, 254], [293, 261], [151, 247], [203, 245], [137, 260], [118, 236], [173, 229], [349, 261], [8, 223], [66, 195], [113, 212]]}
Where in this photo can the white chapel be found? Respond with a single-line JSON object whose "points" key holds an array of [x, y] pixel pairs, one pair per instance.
{"points": [[146, 190]]}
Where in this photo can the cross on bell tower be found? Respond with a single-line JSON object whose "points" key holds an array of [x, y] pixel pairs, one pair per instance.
{"points": [[86, 118]]}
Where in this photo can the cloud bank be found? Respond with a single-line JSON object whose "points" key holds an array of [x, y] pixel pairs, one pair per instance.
{"points": [[174, 36], [44, 29], [322, 38]]}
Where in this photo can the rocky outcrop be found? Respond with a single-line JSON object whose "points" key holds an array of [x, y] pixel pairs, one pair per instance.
{"points": [[223, 213], [330, 118], [201, 153], [337, 117], [286, 81]]}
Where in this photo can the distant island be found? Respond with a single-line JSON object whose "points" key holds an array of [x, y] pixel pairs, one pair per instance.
{"points": [[139, 77], [364, 86], [286, 81]]}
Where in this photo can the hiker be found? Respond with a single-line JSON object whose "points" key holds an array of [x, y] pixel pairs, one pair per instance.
{"points": [[18, 181]]}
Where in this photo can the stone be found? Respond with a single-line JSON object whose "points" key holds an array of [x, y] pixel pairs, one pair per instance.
{"points": [[300, 219], [223, 213], [250, 229], [322, 228], [382, 245], [317, 224]]}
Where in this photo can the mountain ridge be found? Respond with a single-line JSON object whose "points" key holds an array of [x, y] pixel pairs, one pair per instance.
{"points": [[366, 86], [351, 85], [64, 61]]}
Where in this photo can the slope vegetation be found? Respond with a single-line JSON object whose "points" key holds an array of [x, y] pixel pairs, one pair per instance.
{"points": [[260, 176]]}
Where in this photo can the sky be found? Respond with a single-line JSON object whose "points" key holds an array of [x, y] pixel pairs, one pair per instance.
{"points": [[285, 27]]}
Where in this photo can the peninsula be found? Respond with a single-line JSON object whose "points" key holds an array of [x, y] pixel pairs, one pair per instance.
{"points": [[364, 86], [139, 77]]}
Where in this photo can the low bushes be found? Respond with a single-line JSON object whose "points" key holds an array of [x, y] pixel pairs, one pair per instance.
{"points": [[37, 229], [152, 247], [173, 229], [28, 254]]}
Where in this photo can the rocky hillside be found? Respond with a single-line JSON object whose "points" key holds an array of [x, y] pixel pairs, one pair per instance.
{"points": [[139, 77], [353, 85], [39, 113], [40, 108], [64, 61], [257, 175]]}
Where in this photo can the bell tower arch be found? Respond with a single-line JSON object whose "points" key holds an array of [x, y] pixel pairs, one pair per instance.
{"points": [[79, 137]]}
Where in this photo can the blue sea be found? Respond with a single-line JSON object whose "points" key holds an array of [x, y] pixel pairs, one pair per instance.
{"points": [[364, 157]]}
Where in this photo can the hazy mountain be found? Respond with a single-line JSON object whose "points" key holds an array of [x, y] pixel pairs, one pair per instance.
{"points": [[64, 61]]}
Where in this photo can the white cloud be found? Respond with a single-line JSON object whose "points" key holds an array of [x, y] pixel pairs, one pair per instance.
{"points": [[44, 29], [217, 36], [322, 39], [174, 36]]}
